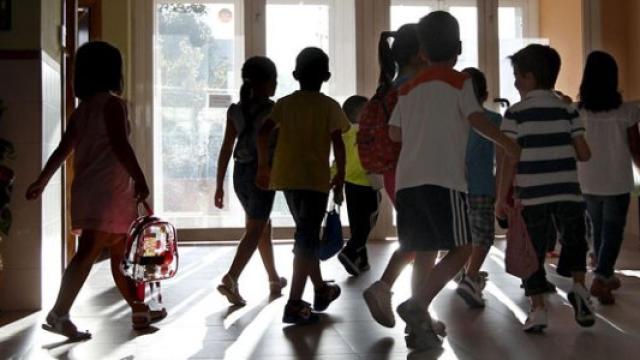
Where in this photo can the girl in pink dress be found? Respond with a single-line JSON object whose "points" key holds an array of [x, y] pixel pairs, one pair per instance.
{"points": [[107, 183]]}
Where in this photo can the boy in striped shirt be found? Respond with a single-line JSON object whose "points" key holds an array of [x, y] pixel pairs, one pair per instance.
{"points": [[551, 136]]}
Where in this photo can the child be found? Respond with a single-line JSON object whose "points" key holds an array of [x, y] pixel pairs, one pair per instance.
{"points": [[481, 198], [308, 123], [432, 121], [362, 198], [546, 183], [243, 122], [398, 64], [107, 184], [607, 179]]}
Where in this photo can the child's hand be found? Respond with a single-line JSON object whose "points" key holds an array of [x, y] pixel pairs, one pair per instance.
{"points": [[141, 190], [218, 198], [501, 209], [263, 177], [337, 183], [35, 190]]}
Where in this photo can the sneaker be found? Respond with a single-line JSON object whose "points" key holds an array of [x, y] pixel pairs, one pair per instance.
{"points": [[582, 308], [421, 335], [378, 299], [325, 296], [299, 312], [536, 321], [363, 260], [438, 327], [471, 291], [275, 287], [229, 288], [349, 261], [459, 276], [601, 290], [550, 288]]}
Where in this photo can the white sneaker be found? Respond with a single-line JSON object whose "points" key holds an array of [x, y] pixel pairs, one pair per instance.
{"points": [[378, 299], [536, 321], [471, 291], [582, 306]]}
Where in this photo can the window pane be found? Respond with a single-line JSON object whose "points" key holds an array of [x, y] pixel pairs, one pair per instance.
{"points": [[326, 24], [404, 13], [467, 17], [198, 50], [511, 33]]}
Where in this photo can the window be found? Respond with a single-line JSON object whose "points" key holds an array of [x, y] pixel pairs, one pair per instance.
{"points": [[465, 11], [197, 62]]}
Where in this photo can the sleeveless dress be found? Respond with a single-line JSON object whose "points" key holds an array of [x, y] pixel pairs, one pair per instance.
{"points": [[102, 193]]}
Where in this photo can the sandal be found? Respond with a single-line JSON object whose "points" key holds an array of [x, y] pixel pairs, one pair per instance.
{"points": [[229, 288], [276, 286], [141, 320], [62, 325]]}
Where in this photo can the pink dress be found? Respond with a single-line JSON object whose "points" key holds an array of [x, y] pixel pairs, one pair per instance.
{"points": [[102, 193]]}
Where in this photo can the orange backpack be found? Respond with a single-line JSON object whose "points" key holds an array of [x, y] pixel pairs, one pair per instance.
{"points": [[378, 153]]}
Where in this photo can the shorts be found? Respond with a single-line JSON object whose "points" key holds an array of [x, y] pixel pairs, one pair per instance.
{"points": [[481, 220], [307, 208], [432, 218], [257, 203]]}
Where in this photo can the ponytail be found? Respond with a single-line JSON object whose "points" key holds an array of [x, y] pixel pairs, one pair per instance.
{"points": [[386, 61], [246, 93]]}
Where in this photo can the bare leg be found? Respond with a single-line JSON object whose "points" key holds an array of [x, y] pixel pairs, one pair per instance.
{"points": [[315, 274], [578, 277], [76, 273], [442, 272], [422, 268], [265, 247], [478, 255], [398, 261], [247, 246], [537, 301], [301, 269]]}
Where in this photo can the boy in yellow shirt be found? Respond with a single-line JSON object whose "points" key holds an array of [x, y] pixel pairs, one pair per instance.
{"points": [[362, 196], [308, 123]]}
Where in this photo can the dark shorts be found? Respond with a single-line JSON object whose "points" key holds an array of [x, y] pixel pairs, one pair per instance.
{"points": [[308, 209], [256, 203], [432, 218]]}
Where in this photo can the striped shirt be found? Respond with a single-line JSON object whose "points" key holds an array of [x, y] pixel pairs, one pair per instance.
{"points": [[544, 127]]}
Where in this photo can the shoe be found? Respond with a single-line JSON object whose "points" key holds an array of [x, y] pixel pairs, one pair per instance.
{"points": [[62, 325], [471, 291], [299, 312], [275, 287], [325, 296], [378, 300], [421, 335], [536, 321], [229, 288], [459, 276], [550, 288], [349, 261], [363, 260], [438, 327], [601, 290], [613, 282], [582, 308]]}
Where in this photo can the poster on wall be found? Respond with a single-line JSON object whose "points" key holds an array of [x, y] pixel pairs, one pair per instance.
{"points": [[5, 15]]}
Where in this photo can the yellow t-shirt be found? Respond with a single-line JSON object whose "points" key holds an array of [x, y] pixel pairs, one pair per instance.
{"points": [[305, 121], [354, 173]]}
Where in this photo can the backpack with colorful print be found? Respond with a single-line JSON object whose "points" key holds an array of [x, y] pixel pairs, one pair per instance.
{"points": [[378, 153]]}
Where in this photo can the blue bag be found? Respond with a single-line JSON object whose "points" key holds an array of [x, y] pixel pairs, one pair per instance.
{"points": [[331, 241]]}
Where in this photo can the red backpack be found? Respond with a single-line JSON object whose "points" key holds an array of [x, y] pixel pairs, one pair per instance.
{"points": [[378, 153]]}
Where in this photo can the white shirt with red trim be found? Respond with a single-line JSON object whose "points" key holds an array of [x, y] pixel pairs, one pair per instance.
{"points": [[432, 112]]}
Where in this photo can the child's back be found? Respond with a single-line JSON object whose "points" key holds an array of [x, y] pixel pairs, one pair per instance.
{"points": [[103, 191]]}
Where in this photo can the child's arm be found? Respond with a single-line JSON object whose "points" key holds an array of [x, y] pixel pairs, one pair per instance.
{"points": [[67, 143], [504, 183], [395, 133], [226, 151], [484, 126], [340, 157], [633, 137], [115, 119], [583, 153], [263, 175]]}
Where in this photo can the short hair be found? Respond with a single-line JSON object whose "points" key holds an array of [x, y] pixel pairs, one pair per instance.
{"points": [[542, 61], [352, 107], [479, 82], [312, 64], [98, 68], [439, 35], [599, 88]]}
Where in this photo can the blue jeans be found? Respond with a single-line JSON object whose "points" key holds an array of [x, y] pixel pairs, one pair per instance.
{"points": [[609, 216]]}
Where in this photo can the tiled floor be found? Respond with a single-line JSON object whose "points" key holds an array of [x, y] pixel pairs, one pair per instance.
{"points": [[202, 325]]}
